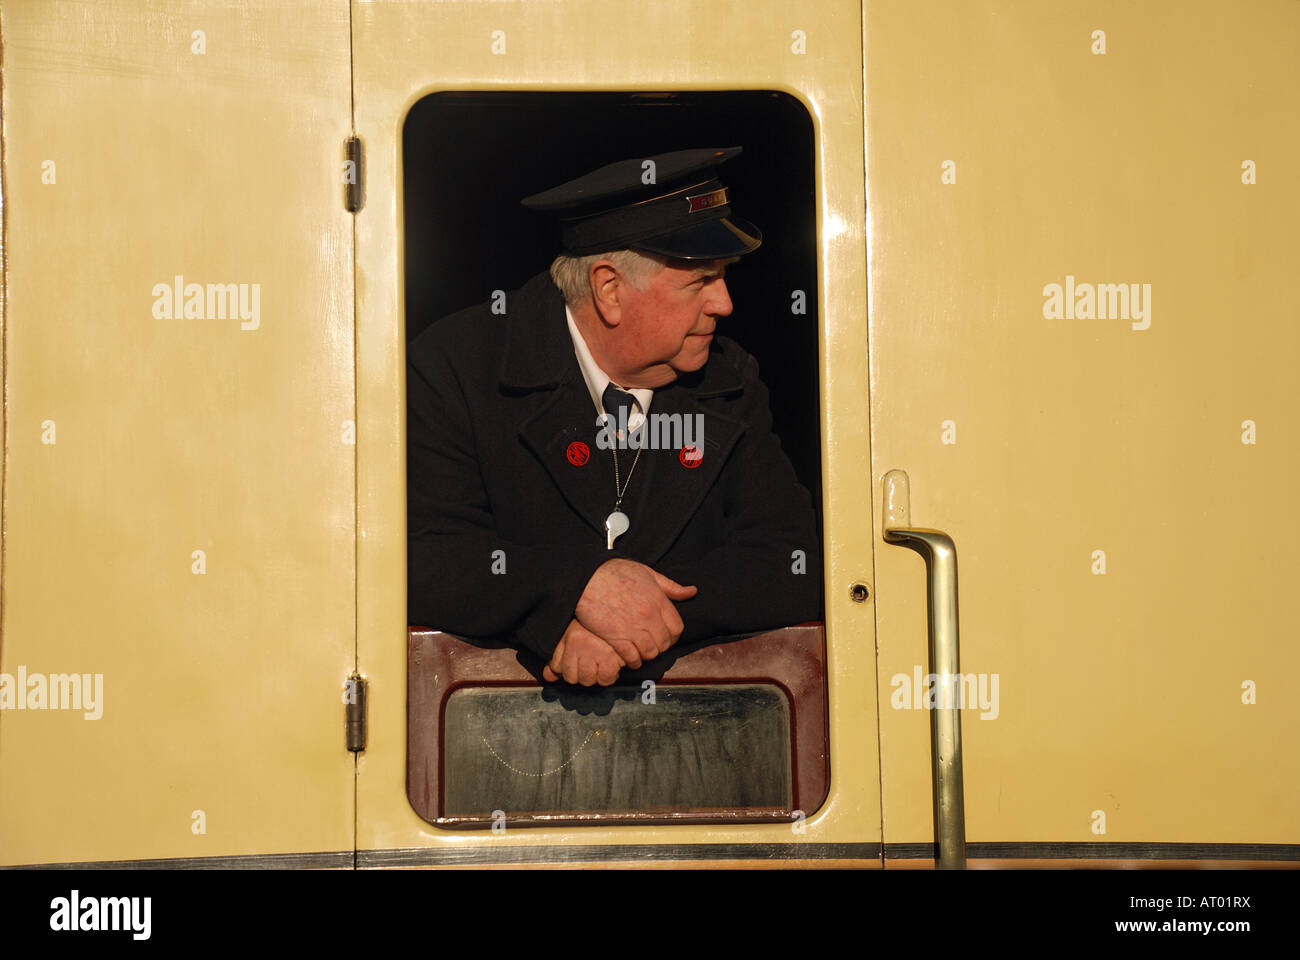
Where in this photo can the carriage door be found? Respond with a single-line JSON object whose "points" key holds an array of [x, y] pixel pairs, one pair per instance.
{"points": [[1084, 432], [178, 494], [464, 108]]}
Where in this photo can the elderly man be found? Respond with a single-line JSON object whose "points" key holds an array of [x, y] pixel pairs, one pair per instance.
{"points": [[543, 506]]}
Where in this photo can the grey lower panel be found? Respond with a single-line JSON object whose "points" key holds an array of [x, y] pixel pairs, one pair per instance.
{"points": [[331, 860], [525, 751], [459, 855], [486, 854], [1104, 851]]}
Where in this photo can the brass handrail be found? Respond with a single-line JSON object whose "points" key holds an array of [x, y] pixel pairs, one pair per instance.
{"points": [[940, 555]]}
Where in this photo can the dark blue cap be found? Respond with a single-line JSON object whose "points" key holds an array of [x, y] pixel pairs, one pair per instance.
{"points": [[673, 205]]}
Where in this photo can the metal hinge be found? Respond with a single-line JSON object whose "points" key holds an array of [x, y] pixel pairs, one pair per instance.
{"points": [[353, 175], [354, 698]]}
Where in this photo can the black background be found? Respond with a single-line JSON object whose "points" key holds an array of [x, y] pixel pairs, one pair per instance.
{"points": [[469, 158], [980, 910]]}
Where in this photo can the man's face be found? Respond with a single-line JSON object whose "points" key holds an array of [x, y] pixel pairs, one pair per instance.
{"points": [[668, 326]]}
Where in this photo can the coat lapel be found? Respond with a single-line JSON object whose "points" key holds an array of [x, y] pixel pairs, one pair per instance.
{"points": [[566, 418], [539, 357]]}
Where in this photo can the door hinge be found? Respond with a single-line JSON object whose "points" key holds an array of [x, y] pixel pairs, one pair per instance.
{"points": [[353, 175], [354, 698]]}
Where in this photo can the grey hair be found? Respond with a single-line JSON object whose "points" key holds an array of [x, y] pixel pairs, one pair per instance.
{"points": [[573, 274]]}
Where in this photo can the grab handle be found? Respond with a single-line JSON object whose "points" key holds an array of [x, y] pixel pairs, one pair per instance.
{"points": [[945, 719]]}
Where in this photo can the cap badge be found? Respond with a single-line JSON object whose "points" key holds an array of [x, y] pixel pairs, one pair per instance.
{"points": [[703, 201]]}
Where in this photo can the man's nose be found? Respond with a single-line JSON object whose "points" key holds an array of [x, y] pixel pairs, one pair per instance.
{"points": [[721, 301]]}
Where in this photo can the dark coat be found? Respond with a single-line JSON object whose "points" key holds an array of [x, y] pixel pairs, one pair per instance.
{"points": [[493, 403]]}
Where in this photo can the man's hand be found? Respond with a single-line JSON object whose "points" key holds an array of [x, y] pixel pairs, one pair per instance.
{"points": [[630, 607], [582, 657]]}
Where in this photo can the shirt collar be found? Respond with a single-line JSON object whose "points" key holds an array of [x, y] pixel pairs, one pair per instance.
{"points": [[596, 378]]}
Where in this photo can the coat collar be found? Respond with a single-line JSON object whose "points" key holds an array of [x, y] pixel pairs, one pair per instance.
{"points": [[539, 356]]}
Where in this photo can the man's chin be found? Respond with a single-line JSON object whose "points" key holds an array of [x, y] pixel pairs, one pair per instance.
{"points": [[690, 363], [699, 355]]}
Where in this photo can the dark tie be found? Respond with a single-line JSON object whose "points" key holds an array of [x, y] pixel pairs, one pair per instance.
{"points": [[618, 404]]}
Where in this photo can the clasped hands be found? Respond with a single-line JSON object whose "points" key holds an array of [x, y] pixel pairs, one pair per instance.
{"points": [[624, 618]]}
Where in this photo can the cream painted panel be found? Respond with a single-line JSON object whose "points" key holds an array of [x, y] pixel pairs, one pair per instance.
{"points": [[403, 51], [134, 440], [1119, 692]]}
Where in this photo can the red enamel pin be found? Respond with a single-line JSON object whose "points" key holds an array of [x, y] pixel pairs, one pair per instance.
{"points": [[691, 457], [578, 453]]}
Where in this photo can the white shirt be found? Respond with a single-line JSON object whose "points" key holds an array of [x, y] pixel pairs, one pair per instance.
{"points": [[597, 379]]}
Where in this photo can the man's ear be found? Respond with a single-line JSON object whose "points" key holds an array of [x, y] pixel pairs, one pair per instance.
{"points": [[606, 291]]}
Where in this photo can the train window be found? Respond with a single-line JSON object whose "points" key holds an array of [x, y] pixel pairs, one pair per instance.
{"points": [[742, 736], [647, 760], [737, 730]]}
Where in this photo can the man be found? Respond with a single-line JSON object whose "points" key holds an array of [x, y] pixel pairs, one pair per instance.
{"points": [[535, 519]]}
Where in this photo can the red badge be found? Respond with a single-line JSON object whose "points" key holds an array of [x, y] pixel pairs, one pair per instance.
{"points": [[578, 453], [691, 457]]}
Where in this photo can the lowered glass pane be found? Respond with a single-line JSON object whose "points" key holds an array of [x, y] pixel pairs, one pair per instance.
{"points": [[530, 751]]}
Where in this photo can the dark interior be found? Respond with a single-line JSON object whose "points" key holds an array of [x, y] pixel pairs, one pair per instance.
{"points": [[469, 158]]}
